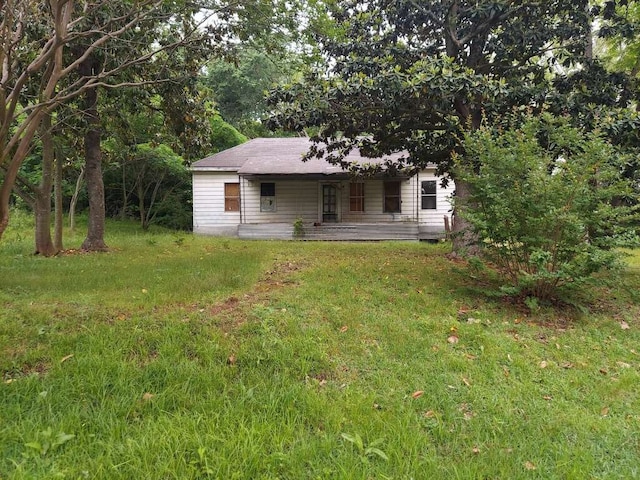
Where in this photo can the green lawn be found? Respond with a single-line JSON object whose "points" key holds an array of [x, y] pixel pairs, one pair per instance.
{"points": [[181, 357]]}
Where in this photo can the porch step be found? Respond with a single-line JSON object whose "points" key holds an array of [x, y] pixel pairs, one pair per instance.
{"points": [[337, 231]]}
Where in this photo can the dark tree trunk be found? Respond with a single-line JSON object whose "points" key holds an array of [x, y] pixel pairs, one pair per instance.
{"points": [[42, 204], [463, 238], [93, 168]]}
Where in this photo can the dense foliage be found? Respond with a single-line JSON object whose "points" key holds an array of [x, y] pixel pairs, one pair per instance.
{"points": [[547, 202]]}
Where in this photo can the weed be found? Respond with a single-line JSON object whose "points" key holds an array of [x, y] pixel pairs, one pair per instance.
{"points": [[47, 442], [298, 228], [367, 451]]}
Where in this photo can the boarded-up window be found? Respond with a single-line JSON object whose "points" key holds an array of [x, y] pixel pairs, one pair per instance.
{"points": [[392, 198], [231, 197], [356, 197], [268, 197], [428, 190]]}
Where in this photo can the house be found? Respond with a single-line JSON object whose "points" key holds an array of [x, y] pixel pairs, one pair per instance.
{"points": [[261, 188]]}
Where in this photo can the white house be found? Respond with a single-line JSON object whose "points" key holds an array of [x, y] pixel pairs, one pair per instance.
{"points": [[261, 188]]}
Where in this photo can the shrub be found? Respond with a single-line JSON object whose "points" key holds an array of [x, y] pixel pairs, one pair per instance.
{"points": [[545, 204]]}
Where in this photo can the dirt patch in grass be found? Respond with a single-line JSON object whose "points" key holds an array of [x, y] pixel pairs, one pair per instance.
{"points": [[232, 312], [38, 368]]}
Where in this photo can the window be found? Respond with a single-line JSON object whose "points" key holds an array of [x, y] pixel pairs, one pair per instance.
{"points": [[356, 197], [267, 197], [231, 197], [392, 197], [428, 195]]}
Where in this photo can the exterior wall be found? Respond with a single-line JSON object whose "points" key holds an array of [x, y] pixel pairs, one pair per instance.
{"points": [[294, 199], [209, 216], [434, 218], [303, 199], [374, 203]]}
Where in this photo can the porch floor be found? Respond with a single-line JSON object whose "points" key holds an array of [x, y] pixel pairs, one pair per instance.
{"points": [[342, 231]]}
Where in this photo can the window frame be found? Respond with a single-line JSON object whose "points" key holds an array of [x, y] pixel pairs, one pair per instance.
{"points": [[392, 196], [231, 202], [267, 202], [428, 195], [356, 197]]}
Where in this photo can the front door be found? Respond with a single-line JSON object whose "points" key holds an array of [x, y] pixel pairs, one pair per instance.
{"points": [[329, 203]]}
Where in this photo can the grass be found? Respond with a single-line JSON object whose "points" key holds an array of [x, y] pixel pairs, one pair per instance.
{"points": [[175, 356]]}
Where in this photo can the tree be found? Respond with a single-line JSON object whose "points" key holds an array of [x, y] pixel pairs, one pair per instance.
{"points": [[53, 52], [620, 35], [415, 76], [239, 86], [546, 204]]}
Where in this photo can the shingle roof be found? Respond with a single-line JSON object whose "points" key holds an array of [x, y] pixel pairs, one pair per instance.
{"points": [[276, 156]]}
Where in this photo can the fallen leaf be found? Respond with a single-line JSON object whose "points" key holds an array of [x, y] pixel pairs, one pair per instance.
{"points": [[343, 329], [466, 382], [231, 360], [64, 359], [505, 370], [567, 365], [147, 396], [547, 397], [475, 450], [517, 321], [417, 394], [453, 339], [605, 411], [624, 325], [529, 466], [144, 290], [603, 371], [623, 364], [543, 364], [429, 414], [469, 356]]}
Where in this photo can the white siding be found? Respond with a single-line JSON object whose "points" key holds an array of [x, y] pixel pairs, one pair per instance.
{"points": [[303, 199], [374, 203], [294, 199], [434, 218], [209, 216]]}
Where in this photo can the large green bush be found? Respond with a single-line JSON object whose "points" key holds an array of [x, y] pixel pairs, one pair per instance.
{"points": [[548, 204]]}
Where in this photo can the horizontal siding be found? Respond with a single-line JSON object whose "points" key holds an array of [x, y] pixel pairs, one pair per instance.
{"points": [[294, 199], [303, 199], [208, 203], [434, 219]]}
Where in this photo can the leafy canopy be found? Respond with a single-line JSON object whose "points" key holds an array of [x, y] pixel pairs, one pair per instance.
{"points": [[414, 75]]}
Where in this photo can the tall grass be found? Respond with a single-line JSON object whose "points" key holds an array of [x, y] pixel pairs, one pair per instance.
{"points": [[185, 357]]}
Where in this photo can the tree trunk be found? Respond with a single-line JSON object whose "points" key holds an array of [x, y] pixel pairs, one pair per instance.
{"points": [[141, 208], [93, 171], [463, 238], [59, 214], [74, 200], [42, 208]]}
